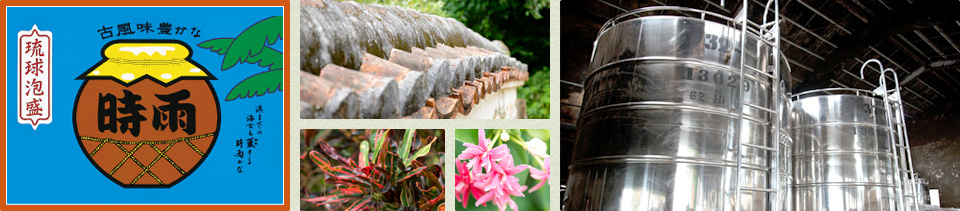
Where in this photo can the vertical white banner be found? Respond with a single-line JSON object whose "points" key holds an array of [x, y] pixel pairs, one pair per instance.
{"points": [[35, 59]]}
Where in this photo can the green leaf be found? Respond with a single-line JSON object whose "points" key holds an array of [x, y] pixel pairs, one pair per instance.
{"points": [[543, 194], [432, 203], [359, 204], [218, 45], [391, 162], [430, 191], [269, 58], [257, 85], [467, 135], [251, 41], [319, 159], [379, 139], [405, 197], [542, 134], [364, 149], [420, 153], [411, 173], [514, 133], [339, 172], [335, 198], [432, 180], [353, 189], [348, 181], [404, 152]]}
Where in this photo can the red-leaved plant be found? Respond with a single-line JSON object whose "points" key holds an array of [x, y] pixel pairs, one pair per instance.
{"points": [[390, 175]]}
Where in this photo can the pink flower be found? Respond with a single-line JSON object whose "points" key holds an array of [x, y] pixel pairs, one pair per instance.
{"points": [[500, 184], [464, 184], [482, 155], [543, 176]]}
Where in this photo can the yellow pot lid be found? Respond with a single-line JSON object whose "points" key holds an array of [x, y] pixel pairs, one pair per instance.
{"points": [[128, 61]]}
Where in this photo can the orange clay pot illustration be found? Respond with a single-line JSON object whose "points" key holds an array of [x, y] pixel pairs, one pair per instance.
{"points": [[146, 115]]}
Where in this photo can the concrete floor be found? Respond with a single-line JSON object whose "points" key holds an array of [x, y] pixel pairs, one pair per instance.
{"points": [[935, 145]]}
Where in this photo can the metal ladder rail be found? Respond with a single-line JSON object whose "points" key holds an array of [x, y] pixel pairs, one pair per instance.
{"points": [[906, 140], [783, 137], [903, 142], [773, 189], [904, 161], [785, 173], [886, 105], [786, 177], [907, 174], [901, 150], [894, 137]]}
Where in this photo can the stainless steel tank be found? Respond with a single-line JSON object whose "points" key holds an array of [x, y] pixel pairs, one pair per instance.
{"points": [[842, 155], [660, 116]]}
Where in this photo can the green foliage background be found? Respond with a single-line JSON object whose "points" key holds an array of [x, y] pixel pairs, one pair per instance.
{"points": [[537, 93], [432, 7], [523, 25]]}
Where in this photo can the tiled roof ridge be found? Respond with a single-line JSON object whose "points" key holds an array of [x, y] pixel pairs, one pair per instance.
{"points": [[427, 83], [340, 32]]}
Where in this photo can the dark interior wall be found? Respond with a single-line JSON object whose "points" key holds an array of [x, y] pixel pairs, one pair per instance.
{"points": [[935, 145]]}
